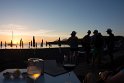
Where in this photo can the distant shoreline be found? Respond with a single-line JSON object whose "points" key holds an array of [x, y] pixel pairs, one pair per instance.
{"points": [[26, 46]]}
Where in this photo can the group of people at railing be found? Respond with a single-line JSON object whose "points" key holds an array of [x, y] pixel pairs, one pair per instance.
{"points": [[96, 44], [93, 44]]}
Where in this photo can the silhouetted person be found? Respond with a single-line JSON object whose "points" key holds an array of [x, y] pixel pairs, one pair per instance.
{"points": [[97, 46], [59, 42], [110, 44], [116, 76], [86, 43], [73, 42], [100, 47]]}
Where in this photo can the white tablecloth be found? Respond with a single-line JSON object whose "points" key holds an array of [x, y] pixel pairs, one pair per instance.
{"points": [[43, 79]]}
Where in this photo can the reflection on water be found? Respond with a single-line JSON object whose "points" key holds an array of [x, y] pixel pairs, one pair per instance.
{"points": [[26, 46]]}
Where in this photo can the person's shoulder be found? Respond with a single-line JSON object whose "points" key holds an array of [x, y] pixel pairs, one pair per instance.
{"points": [[86, 36], [76, 37], [69, 38], [112, 35]]}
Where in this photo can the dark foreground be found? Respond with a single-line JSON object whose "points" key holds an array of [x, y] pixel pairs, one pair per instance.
{"points": [[17, 58]]}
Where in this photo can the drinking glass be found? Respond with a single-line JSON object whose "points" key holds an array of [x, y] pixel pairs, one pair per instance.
{"points": [[69, 63], [33, 70]]}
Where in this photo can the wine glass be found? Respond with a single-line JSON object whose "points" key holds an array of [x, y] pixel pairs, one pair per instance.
{"points": [[33, 70], [69, 63]]}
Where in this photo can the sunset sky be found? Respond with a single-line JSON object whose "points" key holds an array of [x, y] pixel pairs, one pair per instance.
{"points": [[51, 19]]}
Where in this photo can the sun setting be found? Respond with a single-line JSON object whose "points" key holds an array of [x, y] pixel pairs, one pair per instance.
{"points": [[21, 20], [67, 41], [16, 32]]}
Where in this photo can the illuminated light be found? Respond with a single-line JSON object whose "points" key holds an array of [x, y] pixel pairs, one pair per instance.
{"points": [[35, 76]]}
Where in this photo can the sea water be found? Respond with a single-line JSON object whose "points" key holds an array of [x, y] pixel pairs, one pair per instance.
{"points": [[26, 46]]}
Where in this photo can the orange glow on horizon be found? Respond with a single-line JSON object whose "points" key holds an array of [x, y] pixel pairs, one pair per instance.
{"points": [[25, 39]]}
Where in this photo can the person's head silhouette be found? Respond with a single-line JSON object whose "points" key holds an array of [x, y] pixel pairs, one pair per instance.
{"points": [[95, 32], [73, 33], [109, 31], [89, 32]]}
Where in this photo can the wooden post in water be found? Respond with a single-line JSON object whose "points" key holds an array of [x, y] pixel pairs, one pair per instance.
{"points": [[29, 44], [33, 41], [36, 44], [5, 44], [42, 43], [46, 43], [11, 44], [1, 44], [22, 44]]}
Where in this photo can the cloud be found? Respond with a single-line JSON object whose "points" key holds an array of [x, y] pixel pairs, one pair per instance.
{"points": [[43, 32], [24, 30], [12, 27], [19, 30], [7, 29]]}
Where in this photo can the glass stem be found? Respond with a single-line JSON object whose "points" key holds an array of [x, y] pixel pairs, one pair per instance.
{"points": [[69, 74]]}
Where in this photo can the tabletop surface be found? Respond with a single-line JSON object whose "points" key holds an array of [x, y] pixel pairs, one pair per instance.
{"points": [[46, 78], [52, 68], [53, 74]]}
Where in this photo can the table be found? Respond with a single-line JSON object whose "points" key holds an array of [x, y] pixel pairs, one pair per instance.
{"points": [[43, 79]]}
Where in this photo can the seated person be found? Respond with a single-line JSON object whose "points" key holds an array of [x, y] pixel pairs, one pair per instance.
{"points": [[105, 77], [117, 78]]}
